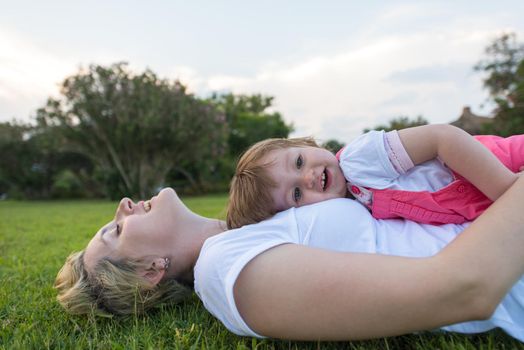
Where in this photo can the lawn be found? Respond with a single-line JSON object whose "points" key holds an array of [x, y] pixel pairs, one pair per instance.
{"points": [[35, 238]]}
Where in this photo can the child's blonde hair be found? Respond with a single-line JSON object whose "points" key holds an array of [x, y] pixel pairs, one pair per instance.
{"points": [[250, 200]]}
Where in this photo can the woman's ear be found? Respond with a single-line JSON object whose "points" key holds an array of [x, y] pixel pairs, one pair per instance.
{"points": [[155, 270]]}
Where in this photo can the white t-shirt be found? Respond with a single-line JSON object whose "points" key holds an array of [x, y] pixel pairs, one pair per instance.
{"points": [[339, 225]]}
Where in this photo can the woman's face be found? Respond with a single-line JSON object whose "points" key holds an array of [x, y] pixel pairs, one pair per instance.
{"points": [[138, 230]]}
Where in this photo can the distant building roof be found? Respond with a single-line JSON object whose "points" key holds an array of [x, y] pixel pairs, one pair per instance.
{"points": [[470, 122]]}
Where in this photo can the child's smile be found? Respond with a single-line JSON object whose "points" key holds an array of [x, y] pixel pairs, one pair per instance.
{"points": [[304, 175]]}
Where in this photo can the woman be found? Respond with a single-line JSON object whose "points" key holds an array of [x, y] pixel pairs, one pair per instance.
{"points": [[307, 273]]}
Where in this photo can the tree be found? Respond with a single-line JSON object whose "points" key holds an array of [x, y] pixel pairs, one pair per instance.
{"points": [[135, 128], [333, 145], [504, 69], [503, 57], [17, 158], [250, 120], [26, 169], [401, 122], [509, 117], [33, 162]]}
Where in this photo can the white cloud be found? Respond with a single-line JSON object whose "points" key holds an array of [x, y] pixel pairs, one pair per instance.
{"points": [[340, 94], [28, 74], [403, 12], [188, 76]]}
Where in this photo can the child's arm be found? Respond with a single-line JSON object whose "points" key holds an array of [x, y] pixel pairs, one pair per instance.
{"points": [[460, 152]]}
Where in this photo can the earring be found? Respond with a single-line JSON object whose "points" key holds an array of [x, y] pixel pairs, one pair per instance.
{"points": [[166, 263]]}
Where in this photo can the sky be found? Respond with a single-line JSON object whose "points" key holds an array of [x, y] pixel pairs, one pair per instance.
{"points": [[333, 67]]}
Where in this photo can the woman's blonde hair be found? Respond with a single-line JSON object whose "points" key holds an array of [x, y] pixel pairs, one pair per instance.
{"points": [[250, 200], [114, 288]]}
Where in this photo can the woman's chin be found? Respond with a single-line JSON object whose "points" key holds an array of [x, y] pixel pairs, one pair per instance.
{"points": [[167, 191], [168, 196]]}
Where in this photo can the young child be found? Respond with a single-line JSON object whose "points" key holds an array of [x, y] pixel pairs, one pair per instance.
{"points": [[405, 174]]}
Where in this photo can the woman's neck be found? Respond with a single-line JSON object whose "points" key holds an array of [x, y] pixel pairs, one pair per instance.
{"points": [[190, 234], [207, 228]]}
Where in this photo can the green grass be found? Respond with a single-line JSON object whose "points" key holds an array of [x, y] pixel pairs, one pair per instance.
{"points": [[35, 238]]}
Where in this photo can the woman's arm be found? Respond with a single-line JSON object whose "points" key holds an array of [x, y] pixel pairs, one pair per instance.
{"points": [[462, 153], [296, 292]]}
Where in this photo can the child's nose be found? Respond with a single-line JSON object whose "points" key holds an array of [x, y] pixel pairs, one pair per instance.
{"points": [[308, 180]]}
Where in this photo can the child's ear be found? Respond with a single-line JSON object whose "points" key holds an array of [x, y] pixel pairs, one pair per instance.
{"points": [[155, 270]]}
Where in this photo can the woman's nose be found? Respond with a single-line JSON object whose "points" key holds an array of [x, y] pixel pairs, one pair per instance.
{"points": [[125, 207]]}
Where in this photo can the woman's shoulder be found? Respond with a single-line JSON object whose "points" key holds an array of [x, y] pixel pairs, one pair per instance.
{"points": [[280, 227], [234, 248], [223, 257]]}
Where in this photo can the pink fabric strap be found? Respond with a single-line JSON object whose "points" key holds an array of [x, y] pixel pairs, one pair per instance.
{"points": [[397, 153]]}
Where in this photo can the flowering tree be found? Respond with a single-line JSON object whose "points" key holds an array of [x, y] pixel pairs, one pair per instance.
{"points": [[136, 128]]}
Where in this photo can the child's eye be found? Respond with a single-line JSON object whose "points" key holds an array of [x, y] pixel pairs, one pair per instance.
{"points": [[300, 162], [117, 229], [296, 194]]}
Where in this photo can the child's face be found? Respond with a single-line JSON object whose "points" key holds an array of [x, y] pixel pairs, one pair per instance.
{"points": [[304, 175]]}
